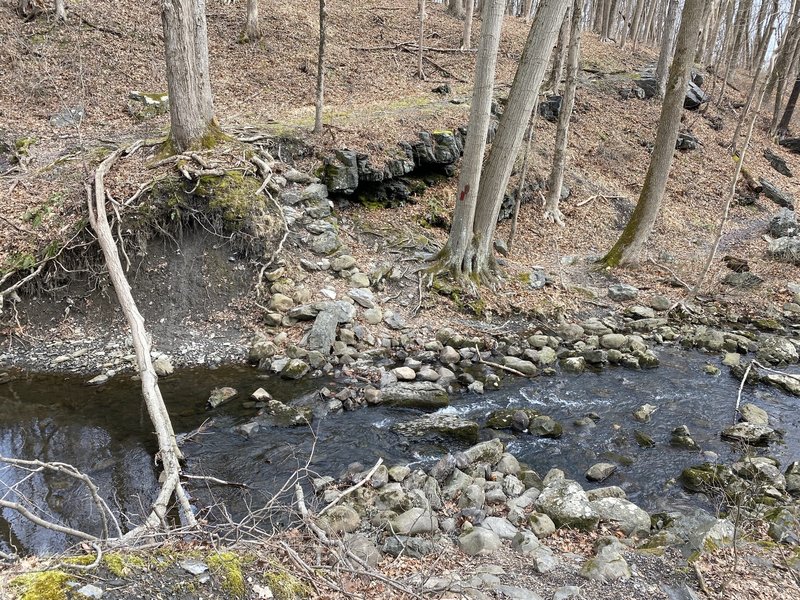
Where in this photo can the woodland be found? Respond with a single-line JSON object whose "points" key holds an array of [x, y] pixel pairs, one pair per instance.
{"points": [[416, 201]]}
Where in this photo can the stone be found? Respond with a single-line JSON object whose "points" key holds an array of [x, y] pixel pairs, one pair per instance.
{"points": [[89, 591], [776, 350], [681, 438], [574, 364], [565, 502], [695, 97], [340, 519], [362, 296], [412, 547], [473, 496], [777, 162], [785, 249], [783, 224], [514, 592], [631, 520], [544, 426], [363, 548], [779, 197], [98, 380], [644, 413], [414, 521], [360, 280], [342, 263], [541, 525], [404, 373], [622, 292], [417, 394], [221, 395], [686, 141], [610, 491], [501, 526], [451, 426], [193, 566], [479, 542], [295, 369], [69, 117], [512, 487], [449, 355], [163, 366], [748, 433], [753, 414], [600, 471], [399, 473], [613, 340], [394, 320], [525, 367], [280, 303], [508, 465], [607, 565], [643, 439], [489, 451], [566, 592]]}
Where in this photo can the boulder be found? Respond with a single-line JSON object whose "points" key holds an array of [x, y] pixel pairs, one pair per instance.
{"points": [[221, 395], [783, 224], [776, 350], [340, 519], [686, 141], [501, 526], [450, 426], [479, 542], [414, 521], [536, 554], [489, 451], [779, 197], [608, 564], [749, 433], [340, 172], [695, 97], [753, 414], [622, 292], [417, 394], [295, 369], [550, 108], [565, 502], [412, 547], [544, 426], [600, 471], [777, 163], [525, 367], [631, 520]]}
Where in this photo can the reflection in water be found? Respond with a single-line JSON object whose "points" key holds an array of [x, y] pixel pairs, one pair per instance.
{"points": [[106, 433]]}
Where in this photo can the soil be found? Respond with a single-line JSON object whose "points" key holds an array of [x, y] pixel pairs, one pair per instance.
{"points": [[199, 295]]}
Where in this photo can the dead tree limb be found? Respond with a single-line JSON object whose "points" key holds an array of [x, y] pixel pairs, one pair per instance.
{"points": [[169, 453]]}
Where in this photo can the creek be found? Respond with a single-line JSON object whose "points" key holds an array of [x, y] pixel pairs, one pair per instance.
{"points": [[105, 432]]}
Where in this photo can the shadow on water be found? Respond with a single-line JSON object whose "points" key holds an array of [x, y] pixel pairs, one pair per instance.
{"points": [[105, 431]]}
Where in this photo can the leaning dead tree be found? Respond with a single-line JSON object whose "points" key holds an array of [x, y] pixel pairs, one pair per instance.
{"points": [[169, 453], [320, 102]]}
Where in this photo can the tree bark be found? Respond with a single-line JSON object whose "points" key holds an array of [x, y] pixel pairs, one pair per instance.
{"points": [[628, 247], [511, 130], [61, 12], [559, 56], [551, 210], [191, 106], [455, 8], [420, 71], [323, 14], [251, 29], [460, 238], [529, 11], [636, 23], [666, 47], [783, 126], [466, 37]]}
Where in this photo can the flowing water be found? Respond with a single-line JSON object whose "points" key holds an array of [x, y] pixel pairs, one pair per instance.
{"points": [[105, 432]]}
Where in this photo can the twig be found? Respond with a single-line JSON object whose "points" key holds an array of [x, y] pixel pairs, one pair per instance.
{"points": [[671, 272], [443, 70], [741, 387], [15, 506], [98, 550], [215, 480], [791, 375], [351, 489], [497, 366]]}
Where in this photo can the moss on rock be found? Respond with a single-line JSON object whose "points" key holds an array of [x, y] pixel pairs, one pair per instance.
{"points": [[44, 585]]}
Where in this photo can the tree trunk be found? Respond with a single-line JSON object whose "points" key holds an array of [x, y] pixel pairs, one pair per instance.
{"points": [[705, 32], [466, 37], [551, 211], [636, 23], [610, 19], [61, 11], [740, 33], [559, 56], [511, 130], [460, 239], [455, 8], [637, 231], [420, 71], [251, 29], [666, 47], [783, 126], [762, 53], [191, 108], [323, 13], [529, 10]]}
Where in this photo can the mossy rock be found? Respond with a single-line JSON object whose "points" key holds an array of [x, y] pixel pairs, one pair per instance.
{"points": [[228, 567], [284, 585], [44, 585], [707, 477], [504, 418]]}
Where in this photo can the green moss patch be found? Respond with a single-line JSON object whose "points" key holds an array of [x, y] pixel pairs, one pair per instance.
{"points": [[45, 585], [228, 567]]}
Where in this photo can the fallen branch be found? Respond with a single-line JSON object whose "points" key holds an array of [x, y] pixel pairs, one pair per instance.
{"points": [[741, 387], [768, 370], [351, 489], [17, 507], [671, 272], [99, 556], [497, 365], [444, 71], [215, 480]]}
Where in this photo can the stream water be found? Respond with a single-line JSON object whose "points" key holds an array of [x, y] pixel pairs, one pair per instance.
{"points": [[105, 432]]}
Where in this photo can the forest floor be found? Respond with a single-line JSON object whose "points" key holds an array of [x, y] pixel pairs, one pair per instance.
{"points": [[374, 100]]}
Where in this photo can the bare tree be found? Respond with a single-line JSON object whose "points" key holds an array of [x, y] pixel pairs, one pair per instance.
{"points": [[460, 239], [455, 8], [636, 23], [466, 38], [251, 29], [521, 99], [627, 249], [420, 72], [323, 13], [666, 47], [61, 11], [559, 56], [551, 210], [191, 106]]}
